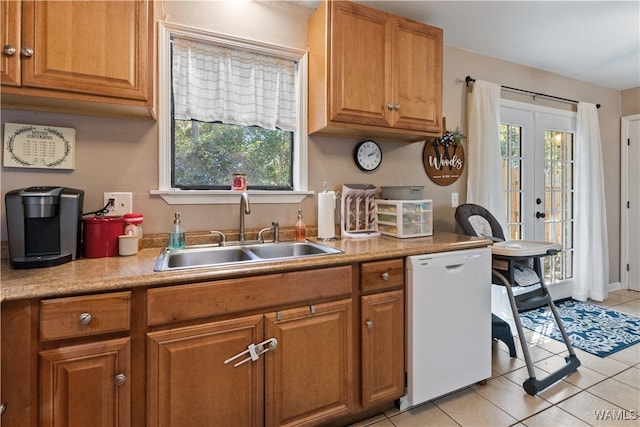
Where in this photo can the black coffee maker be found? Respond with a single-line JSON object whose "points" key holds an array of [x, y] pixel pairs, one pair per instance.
{"points": [[43, 224]]}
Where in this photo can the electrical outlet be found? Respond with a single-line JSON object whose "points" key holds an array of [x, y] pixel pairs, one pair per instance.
{"points": [[122, 204], [454, 200]]}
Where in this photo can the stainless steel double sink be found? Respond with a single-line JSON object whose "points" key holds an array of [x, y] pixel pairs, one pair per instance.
{"points": [[215, 256]]}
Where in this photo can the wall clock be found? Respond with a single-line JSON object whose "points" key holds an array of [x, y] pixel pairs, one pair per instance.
{"points": [[367, 155]]}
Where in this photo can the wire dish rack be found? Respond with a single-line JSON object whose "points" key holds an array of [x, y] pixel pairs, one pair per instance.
{"points": [[358, 211]]}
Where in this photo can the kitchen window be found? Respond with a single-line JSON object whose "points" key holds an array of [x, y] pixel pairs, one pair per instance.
{"points": [[228, 105]]}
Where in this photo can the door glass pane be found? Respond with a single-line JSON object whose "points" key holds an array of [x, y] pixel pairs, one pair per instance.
{"points": [[558, 194], [510, 147]]}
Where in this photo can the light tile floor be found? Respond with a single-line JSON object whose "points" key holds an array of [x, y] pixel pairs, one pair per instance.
{"points": [[607, 386]]}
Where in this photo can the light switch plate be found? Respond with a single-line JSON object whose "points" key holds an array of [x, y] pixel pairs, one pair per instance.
{"points": [[454, 200], [123, 203]]}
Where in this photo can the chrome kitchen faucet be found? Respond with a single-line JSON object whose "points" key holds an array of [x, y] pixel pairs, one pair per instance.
{"points": [[245, 208]]}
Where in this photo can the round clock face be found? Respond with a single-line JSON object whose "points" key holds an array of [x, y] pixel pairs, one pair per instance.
{"points": [[367, 155]]}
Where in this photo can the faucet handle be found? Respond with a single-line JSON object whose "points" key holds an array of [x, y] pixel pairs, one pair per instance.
{"points": [[223, 238], [261, 232]]}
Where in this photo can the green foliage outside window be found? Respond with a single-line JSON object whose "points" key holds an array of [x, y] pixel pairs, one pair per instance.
{"points": [[207, 154]]}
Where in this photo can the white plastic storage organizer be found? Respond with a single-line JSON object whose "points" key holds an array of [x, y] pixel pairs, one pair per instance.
{"points": [[404, 218]]}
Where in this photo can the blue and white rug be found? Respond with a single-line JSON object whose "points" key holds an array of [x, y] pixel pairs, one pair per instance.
{"points": [[594, 329]]}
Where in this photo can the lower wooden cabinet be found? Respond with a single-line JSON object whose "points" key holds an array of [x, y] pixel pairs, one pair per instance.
{"points": [[306, 378], [382, 331], [157, 356], [309, 377], [86, 384], [190, 385], [383, 370]]}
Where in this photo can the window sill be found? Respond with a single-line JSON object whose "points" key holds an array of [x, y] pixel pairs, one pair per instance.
{"points": [[226, 197]]}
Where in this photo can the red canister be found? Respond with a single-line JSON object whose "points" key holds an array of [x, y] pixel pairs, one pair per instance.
{"points": [[101, 236]]}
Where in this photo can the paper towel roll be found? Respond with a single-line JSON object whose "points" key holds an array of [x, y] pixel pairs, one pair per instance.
{"points": [[326, 213]]}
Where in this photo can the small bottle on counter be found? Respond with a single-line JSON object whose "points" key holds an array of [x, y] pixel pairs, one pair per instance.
{"points": [[176, 234], [301, 230]]}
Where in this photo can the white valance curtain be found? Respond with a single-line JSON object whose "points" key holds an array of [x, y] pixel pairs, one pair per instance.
{"points": [[591, 245], [484, 185], [214, 83]]}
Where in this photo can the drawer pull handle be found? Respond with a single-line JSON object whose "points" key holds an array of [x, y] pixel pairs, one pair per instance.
{"points": [[119, 379], [385, 276], [3, 408], [84, 318], [369, 324]]}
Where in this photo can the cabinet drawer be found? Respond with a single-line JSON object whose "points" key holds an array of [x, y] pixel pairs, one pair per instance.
{"points": [[195, 301], [382, 274], [84, 315]]}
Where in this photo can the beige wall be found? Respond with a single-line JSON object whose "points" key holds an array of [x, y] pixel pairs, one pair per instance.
{"points": [[122, 154], [631, 101]]}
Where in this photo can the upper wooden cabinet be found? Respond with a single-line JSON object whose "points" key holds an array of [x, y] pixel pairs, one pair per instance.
{"points": [[97, 51], [10, 63], [372, 72]]}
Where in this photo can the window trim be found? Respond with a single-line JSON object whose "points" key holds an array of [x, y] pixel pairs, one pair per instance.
{"points": [[300, 151]]}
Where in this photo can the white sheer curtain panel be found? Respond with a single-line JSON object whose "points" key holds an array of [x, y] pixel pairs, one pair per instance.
{"points": [[484, 183], [214, 83], [591, 264]]}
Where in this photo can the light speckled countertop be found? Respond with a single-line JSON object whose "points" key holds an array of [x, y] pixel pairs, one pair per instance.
{"points": [[89, 275]]}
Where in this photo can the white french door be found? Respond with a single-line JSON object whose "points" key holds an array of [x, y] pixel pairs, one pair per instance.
{"points": [[538, 168]]}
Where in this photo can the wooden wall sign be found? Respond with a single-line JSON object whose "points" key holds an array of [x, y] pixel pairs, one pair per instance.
{"points": [[443, 160]]}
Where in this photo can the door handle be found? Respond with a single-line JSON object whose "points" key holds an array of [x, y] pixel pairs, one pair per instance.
{"points": [[540, 215]]}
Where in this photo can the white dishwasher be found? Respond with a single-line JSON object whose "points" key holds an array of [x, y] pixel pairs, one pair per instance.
{"points": [[448, 322]]}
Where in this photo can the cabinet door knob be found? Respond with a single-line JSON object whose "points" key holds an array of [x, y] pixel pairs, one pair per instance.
{"points": [[9, 50], [3, 408], [390, 106], [369, 324], [26, 52], [397, 107], [385, 275], [119, 379], [84, 318]]}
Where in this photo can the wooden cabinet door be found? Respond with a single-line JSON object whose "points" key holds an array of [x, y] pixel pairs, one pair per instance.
{"points": [[360, 65], [10, 24], [18, 364], [309, 376], [190, 385], [383, 370], [86, 385], [90, 47], [417, 76]]}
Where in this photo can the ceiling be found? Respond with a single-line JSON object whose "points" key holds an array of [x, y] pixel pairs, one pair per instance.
{"points": [[593, 41]]}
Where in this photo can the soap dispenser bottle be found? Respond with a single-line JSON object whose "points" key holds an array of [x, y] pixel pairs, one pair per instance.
{"points": [[301, 229], [176, 234]]}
